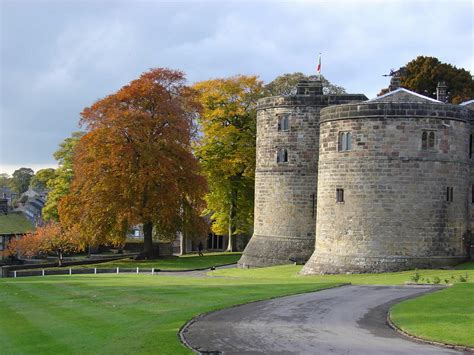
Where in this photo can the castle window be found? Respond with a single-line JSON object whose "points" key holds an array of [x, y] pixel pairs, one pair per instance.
{"points": [[282, 155], [449, 194], [283, 123], [428, 140], [313, 210], [345, 141], [339, 195], [470, 146]]}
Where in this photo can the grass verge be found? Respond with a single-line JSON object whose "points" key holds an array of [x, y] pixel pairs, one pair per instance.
{"points": [[446, 316]]}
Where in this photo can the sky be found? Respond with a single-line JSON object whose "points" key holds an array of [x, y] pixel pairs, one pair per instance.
{"points": [[58, 57]]}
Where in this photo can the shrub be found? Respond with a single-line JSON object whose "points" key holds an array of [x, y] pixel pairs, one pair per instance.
{"points": [[436, 280], [416, 277]]}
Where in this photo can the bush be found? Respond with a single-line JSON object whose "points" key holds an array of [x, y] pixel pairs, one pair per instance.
{"points": [[416, 277], [463, 278], [436, 280]]}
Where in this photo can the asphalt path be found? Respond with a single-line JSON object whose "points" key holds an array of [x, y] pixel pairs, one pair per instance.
{"points": [[342, 320]]}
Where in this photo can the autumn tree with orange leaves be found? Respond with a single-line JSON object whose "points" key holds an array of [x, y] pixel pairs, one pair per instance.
{"points": [[46, 240], [135, 164]]}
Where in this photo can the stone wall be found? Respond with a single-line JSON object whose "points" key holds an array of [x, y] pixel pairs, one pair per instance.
{"points": [[285, 193], [395, 213]]}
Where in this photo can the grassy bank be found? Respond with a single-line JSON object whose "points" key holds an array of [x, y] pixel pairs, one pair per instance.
{"points": [[446, 316], [393, 278]]}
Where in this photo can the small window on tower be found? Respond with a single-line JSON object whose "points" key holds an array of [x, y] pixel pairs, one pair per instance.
{"points": [[283, 123], [339, 195], [449, 194], [470, 146], [282, 155], [345, 141], [428, 140]]}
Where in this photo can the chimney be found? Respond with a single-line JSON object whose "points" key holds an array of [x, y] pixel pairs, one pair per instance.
{"points": [[311, 87], [441, 94], [394, 83]]}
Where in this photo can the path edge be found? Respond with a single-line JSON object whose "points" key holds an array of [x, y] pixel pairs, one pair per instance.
{"points": [[190, 322]]}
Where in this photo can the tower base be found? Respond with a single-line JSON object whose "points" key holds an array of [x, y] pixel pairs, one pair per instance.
{"points": [[358, 264], [264, 251]]}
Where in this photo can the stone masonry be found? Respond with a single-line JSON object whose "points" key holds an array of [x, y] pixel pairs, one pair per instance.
{"points": [[397, 193], [285, 192], [395, 214]]}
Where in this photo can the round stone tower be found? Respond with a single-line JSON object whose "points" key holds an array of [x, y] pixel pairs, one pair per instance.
{"points": [[286, 175], [394, 174]]}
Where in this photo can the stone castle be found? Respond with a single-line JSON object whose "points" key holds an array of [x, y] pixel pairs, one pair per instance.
{"points": [[348, 185]]}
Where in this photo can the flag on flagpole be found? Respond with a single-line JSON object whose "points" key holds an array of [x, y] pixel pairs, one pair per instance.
{"points": [[318, 68]]}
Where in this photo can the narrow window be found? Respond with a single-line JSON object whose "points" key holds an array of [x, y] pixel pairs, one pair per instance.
{"points": [[449, 194], [345, 141], [428, 140], [470, 146], [282, 155], [313, 210], [283, 124], [472, 194], [431, 140], [424, 140], [339, 195]]}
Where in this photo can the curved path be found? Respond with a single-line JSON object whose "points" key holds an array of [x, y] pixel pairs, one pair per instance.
{"points": [[342, 320]]}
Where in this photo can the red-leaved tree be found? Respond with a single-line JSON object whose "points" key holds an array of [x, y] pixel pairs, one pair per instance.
{"points": [[135, 164], [46, 240]]}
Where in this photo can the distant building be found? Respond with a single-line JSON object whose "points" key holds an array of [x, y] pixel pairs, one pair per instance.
{"points": [[13, 225]]}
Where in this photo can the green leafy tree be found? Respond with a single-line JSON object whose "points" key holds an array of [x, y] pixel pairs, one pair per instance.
{"points": [[4, 180], [41, 178], [20, 180], [59, 185], [285, 84], [226, 151], [423, 73]]}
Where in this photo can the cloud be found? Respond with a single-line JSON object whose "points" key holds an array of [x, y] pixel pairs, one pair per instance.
{"points": [[59, 57]]}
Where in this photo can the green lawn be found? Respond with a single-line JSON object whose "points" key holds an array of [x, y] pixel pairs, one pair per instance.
{"points": [[119, 314], [445, 316], [127, 314], [184, 262]]}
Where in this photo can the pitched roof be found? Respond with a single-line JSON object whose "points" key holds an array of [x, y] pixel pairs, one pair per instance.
{"points": [[467, 103], [14, 223], [404, 95]]}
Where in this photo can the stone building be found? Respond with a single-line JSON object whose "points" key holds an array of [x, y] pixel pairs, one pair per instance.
{"points": [[357, 185], [286, 175]]}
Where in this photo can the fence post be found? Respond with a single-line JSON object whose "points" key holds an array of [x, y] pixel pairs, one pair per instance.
{"points": [[70, 271], [137, 270], [117, 271], [95, 271], [14, 273], [152, 271], [42, 272]]}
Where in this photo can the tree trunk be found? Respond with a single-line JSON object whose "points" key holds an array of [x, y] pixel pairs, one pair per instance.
{"points": [[183, 243], [232, 214], [60, 258], [148, 240]]}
